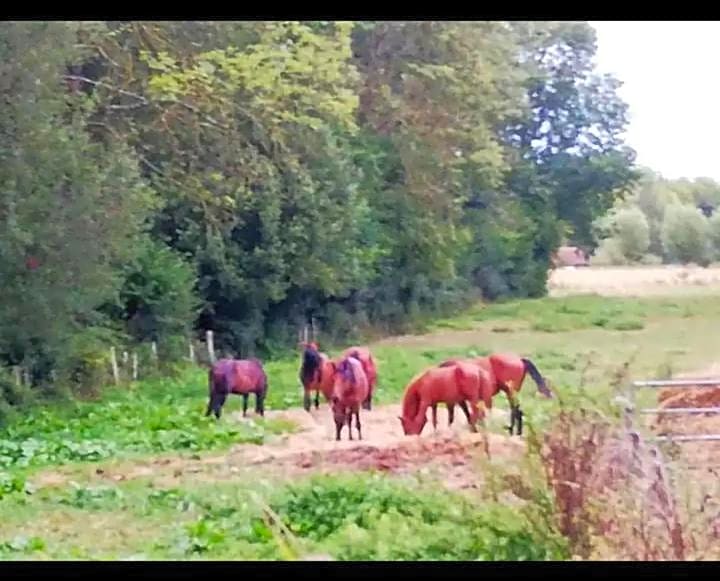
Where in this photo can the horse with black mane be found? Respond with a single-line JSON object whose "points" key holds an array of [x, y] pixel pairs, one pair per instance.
{"points": [[508, 372], [317, 374]]}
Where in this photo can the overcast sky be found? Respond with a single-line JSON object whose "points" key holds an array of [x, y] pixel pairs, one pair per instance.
{"points": [[673, 89]]}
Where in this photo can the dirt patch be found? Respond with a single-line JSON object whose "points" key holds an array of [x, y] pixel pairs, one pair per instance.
{"points": [[450, 453]]}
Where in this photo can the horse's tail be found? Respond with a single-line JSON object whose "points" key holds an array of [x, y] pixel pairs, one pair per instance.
{"points": [[263, 382], [371, 371], [310, 366], [537, 378], [217, 382]]}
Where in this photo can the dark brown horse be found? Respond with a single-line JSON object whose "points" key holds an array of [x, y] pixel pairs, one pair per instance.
{"points": [[317, 373], [239, 376]]}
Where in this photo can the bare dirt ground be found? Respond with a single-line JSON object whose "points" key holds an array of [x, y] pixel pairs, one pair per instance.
{"points": [[634, 280], [451, 454]]}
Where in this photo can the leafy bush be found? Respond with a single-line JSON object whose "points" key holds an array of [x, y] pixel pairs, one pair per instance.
{"points": [[633, 233], [685, 234], [714, 229], [370, 518], [609, 253], [157, 418]]}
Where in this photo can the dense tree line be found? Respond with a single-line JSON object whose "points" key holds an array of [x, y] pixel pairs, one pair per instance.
{"points": [[662, 221], [164, 178]]}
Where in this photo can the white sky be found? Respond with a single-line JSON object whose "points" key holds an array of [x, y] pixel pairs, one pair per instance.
{"points": [[671, 84]]}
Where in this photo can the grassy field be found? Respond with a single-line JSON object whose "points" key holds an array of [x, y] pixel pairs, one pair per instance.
{"points": [[586, 345]]}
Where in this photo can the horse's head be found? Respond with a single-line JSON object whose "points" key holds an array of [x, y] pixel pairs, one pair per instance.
{"points": [[409, 427], [338, 409], [311, 346]]}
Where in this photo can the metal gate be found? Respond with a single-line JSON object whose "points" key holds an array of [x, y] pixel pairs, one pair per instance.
{"points": [[682, 383]]}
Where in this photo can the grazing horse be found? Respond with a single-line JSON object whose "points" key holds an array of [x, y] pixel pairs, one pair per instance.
{"points": [[508, 371], [363, 355], [350, 391], [317, 373], [453, 384], [239, 376]]}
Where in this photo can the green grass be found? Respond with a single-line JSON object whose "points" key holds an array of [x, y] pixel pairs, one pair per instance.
{"points": [[154, 416], [579, 343], [347, 517]]}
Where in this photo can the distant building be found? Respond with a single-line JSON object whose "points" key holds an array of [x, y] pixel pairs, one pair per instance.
{"points": [[570, 256]]}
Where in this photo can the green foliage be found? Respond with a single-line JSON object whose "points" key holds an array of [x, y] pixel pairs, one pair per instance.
{"points": [[371, 518], [158, 295], [246, 176], [655, 197], [154, 417], [685, 234], [633, 233], [714, 229], [65, 226]]}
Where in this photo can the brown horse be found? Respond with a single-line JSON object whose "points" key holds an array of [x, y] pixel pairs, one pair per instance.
{"points": [[508, 372], [317, 373], [350, 391], [363, 355], [239, 376], [455, 384]]}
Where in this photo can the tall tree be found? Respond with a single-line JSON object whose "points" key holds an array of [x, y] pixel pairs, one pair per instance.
{"points": [[71, 209]]}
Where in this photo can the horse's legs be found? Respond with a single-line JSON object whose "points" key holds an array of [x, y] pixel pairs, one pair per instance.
{"points": [[307, 401], [218, 400], [357, 423], [317, 399], [367, 404], [464, 407], [260, 404], [512, 400], [451, 413], [434, 416], [474, 414], [245, 401], [519, 413], [348, 418], [338, 429]]}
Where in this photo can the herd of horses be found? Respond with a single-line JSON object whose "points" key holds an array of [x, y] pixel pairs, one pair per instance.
{"points": [[348, 383]]}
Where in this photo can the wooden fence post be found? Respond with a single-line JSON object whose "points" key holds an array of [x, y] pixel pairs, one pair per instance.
{"points": [[210, 346], [134, 366], [114, 365]]}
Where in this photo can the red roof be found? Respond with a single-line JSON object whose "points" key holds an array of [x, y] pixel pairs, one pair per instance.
{"points": [[571, 256]]}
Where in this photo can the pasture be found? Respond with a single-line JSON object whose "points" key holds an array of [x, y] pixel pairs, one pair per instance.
{"points": [[141, 473]]}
